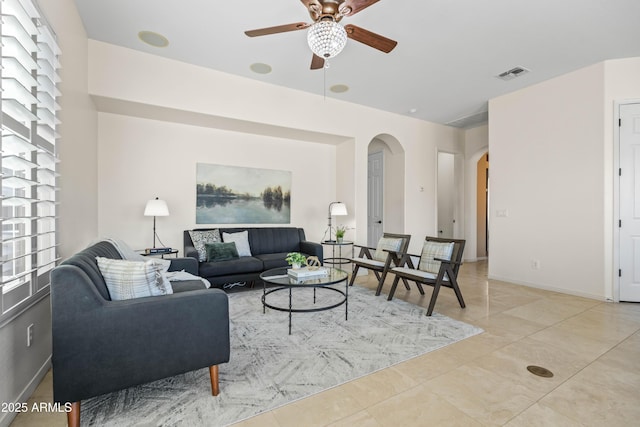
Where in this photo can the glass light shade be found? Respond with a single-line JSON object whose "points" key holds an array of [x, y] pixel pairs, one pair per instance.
{"points": [[156, 207], [327, 38], [338, 209]]}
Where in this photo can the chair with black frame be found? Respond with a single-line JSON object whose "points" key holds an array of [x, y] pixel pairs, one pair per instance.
{"points": [[438, 266], [382, 259]]}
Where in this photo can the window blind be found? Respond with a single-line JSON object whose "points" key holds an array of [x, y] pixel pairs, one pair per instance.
{"points": [[29, 119]]}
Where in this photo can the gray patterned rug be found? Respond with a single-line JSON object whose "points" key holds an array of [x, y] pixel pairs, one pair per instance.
{"points": [[270, 368]]}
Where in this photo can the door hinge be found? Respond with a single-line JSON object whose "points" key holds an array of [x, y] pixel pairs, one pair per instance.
{"points": [[620, 172], [620, 273], [619, 122], [619, 223]]}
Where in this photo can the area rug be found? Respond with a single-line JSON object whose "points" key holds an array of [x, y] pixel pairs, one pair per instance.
{"points": [[270, 368]]}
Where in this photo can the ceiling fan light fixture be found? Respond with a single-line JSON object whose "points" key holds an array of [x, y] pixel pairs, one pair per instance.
{"points": [[326, 38]]}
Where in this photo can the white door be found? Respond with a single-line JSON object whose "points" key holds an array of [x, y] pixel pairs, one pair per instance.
{"points": [[446, 194], [375, 203], [630, 202]]}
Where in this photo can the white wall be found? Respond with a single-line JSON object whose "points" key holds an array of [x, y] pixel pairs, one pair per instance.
{"points": [[78, 182], [140, 159], [123, 79], [547, 173]]}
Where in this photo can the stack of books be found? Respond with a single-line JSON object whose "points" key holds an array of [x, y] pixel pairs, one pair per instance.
{"points": [[308, 273]]}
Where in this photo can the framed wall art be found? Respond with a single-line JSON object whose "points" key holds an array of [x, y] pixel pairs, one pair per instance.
{"points": [[239, 195]]}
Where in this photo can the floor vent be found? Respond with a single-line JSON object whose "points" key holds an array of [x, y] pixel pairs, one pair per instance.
{"points": [[540, 371], [513, 73]]}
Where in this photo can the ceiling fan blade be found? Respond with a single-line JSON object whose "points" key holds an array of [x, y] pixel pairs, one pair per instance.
{"points": [[356, 6], [278, 29], [317, 62], [374, 40]]}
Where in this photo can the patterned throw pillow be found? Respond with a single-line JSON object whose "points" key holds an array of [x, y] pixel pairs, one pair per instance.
{"points": [[432, 250], [241, 240], [202, 237], [221, 251], [388, 243], [133, 279]]}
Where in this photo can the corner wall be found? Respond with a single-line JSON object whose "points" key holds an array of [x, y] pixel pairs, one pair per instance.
{"points": [[548, 185]]}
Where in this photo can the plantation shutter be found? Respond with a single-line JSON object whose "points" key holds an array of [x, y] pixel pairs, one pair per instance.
{"points": [[29, 118]]}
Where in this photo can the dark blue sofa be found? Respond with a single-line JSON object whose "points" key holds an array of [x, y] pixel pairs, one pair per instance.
{"points": [[269, 247], [100, 346]]}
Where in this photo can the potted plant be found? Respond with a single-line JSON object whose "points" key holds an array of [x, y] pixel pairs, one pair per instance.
{"points": [[340, 230], [295, 259]]}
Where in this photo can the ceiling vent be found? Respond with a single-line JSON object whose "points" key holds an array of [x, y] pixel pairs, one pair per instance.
{"points": [[513, 73], [471, 121]]}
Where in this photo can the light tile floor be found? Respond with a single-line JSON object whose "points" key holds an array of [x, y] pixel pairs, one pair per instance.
{"points": [[592, 347]]}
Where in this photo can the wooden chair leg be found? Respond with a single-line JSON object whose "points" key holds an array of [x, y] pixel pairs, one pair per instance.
{"points": [[456, 289], [354, 273], [73, 416], [406, 284], [434, 297], [215, 387], [420, 288], [381, 283], [377, 275], [393, 288]]}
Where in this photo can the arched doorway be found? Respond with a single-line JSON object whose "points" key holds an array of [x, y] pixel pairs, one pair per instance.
{"points": [[482, 210], [385, 187]]}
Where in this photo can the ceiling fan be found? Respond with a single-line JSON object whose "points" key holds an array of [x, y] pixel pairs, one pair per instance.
{"points": [[326, 37]]}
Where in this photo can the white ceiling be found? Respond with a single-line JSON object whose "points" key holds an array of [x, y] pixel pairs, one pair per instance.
{"points": [[444, 67]]}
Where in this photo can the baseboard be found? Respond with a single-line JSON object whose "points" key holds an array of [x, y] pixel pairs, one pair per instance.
{"points": [[548, 288], [475, 259], [7, 418]]}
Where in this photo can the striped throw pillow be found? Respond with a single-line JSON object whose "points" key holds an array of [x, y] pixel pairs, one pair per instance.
{"points": [[133, 279], [432, 250]]}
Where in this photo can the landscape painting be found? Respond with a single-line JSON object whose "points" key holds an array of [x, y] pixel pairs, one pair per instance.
{"points": [[238, 195]]}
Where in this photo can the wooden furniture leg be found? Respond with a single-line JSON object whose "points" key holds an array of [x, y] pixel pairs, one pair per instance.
{"points": [[73, 416], [215, 387]]}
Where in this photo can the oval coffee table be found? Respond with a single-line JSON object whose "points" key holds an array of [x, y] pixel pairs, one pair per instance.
{"points": [[279, 277]]}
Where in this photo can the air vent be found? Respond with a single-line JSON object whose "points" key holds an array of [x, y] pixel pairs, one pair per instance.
{"points": [[471, 121], [513, 73]]}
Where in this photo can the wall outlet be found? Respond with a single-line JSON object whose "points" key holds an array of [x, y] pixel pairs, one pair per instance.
{"points": [[535, 264], [29, 335]]}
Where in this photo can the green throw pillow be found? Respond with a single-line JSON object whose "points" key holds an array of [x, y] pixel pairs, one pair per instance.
{"points": [[221, 251]]}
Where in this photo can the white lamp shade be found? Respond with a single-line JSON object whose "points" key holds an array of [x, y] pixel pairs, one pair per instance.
{"points": [[156, 207], [338, 208]]}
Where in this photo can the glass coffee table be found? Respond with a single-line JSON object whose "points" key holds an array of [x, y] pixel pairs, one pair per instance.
{"points": [[279, 277]]}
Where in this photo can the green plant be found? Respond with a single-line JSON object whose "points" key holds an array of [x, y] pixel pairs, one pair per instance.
{"points": [[340, 230], [295, 258]]}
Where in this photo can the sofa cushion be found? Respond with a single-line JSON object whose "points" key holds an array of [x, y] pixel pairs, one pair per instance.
{"points": [[241, 240], [133, 279], [273, 240], [273, 260], [86, 261], [235, 266], [187, 285], [221, 251], [201, 237]]}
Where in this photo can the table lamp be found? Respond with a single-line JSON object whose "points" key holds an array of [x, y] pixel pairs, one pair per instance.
{"points": [[154, 208]]}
